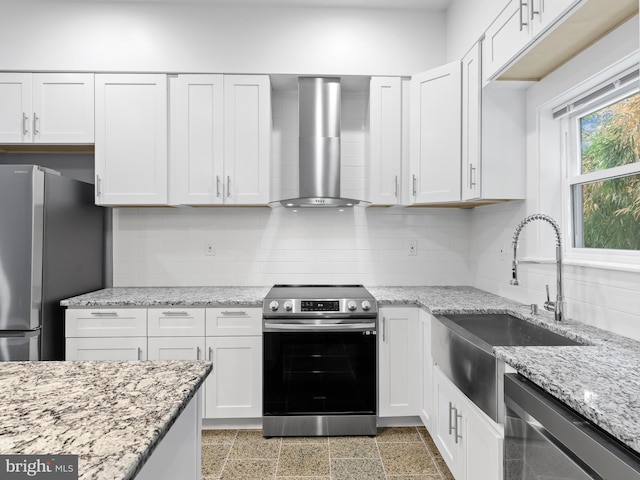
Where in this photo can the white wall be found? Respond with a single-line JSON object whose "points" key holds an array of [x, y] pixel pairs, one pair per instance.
{"points": [[194, 37], [466, 22], [605, 298]]}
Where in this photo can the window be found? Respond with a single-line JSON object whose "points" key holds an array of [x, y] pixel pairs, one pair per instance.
{"points": [[603, 133]]}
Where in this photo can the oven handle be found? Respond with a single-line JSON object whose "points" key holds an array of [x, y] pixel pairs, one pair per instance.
{"points": [[334, 327]]}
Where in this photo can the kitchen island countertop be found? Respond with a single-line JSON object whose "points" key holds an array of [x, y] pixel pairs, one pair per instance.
{"points": [[111, 414], [599, 380]]}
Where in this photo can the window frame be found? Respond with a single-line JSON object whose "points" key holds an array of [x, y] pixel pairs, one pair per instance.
{"points": [[569, 124]]}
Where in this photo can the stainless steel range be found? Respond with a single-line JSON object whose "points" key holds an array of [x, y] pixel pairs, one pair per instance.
{"points": [[320, 358]]}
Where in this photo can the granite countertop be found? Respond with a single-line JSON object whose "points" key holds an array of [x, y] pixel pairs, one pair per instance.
{"points": [[111, 414], [169, 296], [600, 380]]}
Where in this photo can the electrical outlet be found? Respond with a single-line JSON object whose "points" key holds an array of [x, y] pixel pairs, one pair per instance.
{"points": [[209, 248], [413, 248], [503, 252]]}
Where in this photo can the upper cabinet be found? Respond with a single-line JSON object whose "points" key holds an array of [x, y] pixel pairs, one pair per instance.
{"points": [[131, 139], [435, 135], [47, 108], [385, 141], [222, 140], [531, 38], [493, 136]]}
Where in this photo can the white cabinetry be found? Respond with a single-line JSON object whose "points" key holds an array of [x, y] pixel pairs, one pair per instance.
{"points": [[222, 151], [176, 333], [435, 135], [234, 345], [131, 139], [398, 362], [48, 108], [247, 139], [426, 370], [493, 136], [517, 26], [470, 443], [106, 334], [385, 140]]}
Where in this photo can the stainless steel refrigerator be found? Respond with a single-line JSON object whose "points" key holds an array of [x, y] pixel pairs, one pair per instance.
{"points": [[51, 247]]}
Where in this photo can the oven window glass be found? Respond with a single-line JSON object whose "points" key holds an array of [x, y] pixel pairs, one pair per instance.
{"points": [[311, 373]]}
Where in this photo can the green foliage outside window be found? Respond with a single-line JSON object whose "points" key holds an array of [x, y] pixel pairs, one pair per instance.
{"points": [[611, 208]]}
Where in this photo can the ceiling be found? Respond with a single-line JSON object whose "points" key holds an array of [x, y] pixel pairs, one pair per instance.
{"points": [[392, 4]]}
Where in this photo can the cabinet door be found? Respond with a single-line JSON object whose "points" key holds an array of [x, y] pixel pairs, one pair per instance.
{"points": [[426, 372], [505, 37], [385, 140], [449, 425], [247, 133], [198, 165], [398, 362], [125, 348], [176, 348], [131, 139], [63, 106], [471, 124], [234, 387], [435, 135], [16, 112], [487, 461]]}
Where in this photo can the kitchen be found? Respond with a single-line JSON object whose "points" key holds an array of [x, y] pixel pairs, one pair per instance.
{"points": [[260, 246]]}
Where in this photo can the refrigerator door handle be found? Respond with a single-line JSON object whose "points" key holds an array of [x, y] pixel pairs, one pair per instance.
{"points": [[19, 333]]}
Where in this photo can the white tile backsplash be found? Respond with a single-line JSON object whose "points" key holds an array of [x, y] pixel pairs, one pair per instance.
{"points": [[261, 246]]}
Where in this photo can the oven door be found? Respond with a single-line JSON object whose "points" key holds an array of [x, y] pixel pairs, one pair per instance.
{"points": [[319, 367]]}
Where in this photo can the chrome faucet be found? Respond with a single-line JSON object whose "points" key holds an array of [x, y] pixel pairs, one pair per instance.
{"points": [[558, 306]]}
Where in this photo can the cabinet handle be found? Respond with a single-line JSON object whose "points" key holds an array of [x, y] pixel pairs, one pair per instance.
{"points": [[396, 185], [384, 329], [218, 186], [414, 185], [522, 22], [25, 123], [228, 186], [35, 124], [534, 12], [472, 176], [457, 437], [139, 353], [175, 314], [451, 409], [197, 353], [237, 312], [105, 314], [211, 354], [98, 186]]}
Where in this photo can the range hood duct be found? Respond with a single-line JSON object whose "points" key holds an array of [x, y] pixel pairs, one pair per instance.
{"points": [[319, 145]]}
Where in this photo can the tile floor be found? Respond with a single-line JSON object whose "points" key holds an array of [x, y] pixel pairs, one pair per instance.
{"points": [[397, 453]]}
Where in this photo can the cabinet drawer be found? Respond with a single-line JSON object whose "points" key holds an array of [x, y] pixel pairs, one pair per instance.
{"points": [[175, 322], [106, 322], [234, 321]]}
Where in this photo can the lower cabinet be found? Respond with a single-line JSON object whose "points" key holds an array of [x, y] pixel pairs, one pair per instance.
{"points": [[234, 387], [398, 362], [111, 348], [470, 443]]}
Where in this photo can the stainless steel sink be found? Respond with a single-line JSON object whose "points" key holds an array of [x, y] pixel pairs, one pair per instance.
{"points": [[507, 330], [462, 346]]}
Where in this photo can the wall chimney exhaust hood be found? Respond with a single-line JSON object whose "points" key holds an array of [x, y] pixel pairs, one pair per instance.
{"points": [[319, 145]]}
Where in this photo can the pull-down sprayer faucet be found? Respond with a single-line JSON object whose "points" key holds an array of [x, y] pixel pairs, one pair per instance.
{"points": [[558, 306]]}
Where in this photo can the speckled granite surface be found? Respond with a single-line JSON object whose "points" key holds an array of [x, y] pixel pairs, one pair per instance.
{"points": [[111, 414], [169, 296], [600, 380]]}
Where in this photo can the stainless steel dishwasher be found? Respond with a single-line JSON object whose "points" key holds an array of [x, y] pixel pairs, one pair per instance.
{"points": [[546, 439]]}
